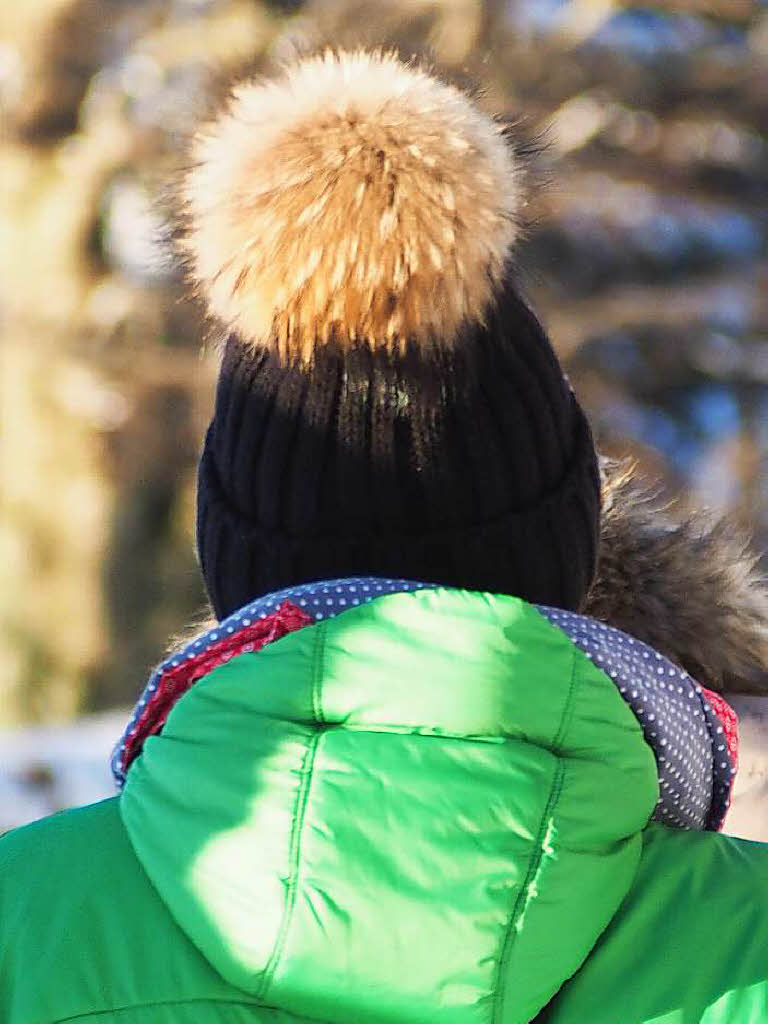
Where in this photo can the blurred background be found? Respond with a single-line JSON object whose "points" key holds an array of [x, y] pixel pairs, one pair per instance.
{"points": [[646, 258]]}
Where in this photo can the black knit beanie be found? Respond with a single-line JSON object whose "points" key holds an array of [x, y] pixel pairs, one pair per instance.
{"points": [[388, 404]]}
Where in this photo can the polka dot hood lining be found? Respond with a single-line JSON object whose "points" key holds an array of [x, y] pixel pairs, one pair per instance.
{"points": [[695, 743]]}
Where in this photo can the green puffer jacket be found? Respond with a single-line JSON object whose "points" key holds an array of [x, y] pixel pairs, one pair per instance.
{"points": [[432, 809]]}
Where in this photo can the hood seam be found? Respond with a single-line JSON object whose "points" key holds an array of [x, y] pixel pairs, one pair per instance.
{"points": [[565, 721], [291, 885], [538, 851], [533, 867], [318, 659]]}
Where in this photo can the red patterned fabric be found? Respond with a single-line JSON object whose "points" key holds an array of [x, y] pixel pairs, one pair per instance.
{"points": [[176, 680], [729, 721]]}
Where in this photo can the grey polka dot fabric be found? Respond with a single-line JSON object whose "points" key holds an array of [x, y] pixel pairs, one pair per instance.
{"points": [[695, 772], [326, 599]]}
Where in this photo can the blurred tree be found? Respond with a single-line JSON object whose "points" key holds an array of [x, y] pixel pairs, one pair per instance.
{"points": [[647, 257]]}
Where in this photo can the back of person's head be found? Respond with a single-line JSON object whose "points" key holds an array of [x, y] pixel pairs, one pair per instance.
{"points": [[387, 404]]}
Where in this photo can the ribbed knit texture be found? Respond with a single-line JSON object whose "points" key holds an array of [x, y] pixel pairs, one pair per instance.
{"points": [[471, 466]]}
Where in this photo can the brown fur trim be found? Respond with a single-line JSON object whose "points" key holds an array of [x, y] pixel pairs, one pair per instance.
{"points": [[684, 582], [355, 198]]}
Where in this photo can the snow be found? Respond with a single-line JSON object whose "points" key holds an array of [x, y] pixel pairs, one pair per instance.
{"points": [[748, 816], [47, 768]]}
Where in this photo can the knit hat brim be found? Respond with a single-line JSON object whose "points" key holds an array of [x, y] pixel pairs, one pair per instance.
{"points": [[478, 472]]}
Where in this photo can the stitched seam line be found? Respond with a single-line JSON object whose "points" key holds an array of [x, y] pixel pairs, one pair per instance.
{"points": [[318, 654], [535, 862], [565, 721], [291, 885], [202, 1001], [307, 770], [533, 867]]}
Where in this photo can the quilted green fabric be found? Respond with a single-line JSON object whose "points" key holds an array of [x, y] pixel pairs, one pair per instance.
{"points": [[428, 809], [394, 810]]}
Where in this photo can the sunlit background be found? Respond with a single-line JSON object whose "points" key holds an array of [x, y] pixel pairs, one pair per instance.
{"points": [[646, 258]]}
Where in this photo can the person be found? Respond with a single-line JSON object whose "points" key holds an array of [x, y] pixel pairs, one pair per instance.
{"points": [[402, 778]]}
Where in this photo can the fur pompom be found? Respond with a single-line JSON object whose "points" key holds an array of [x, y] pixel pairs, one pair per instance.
{"points": [[354, 199]]}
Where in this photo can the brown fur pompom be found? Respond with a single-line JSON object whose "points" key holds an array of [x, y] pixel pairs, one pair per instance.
{"points": [[357, 199], [686, 583]]}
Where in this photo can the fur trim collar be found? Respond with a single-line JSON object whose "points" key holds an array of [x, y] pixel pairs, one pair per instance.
{"points": [[686, 583]]}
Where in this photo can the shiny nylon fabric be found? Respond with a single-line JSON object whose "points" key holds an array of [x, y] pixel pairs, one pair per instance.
{"points": [[394, 812], [84, 936], [88, 932], [689, 945]]}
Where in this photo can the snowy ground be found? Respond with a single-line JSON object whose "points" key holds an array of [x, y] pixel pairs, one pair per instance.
{"points": [[45, 769], [748, 816]]}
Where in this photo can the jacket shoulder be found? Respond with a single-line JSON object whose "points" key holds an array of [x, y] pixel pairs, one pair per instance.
{"points": [[71, 883], [62, 837], [688, 943]]}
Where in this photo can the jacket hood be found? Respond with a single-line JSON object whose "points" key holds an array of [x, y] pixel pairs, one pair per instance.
{"points": [[684, 582], [427, 808]]}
